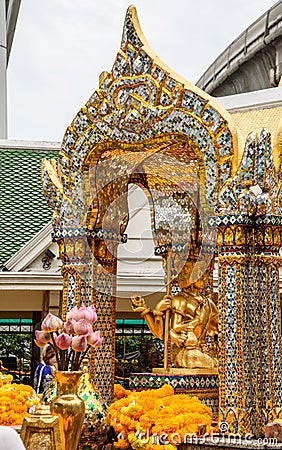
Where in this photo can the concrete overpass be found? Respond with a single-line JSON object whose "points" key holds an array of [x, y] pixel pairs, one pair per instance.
{"points": [[251, 62]]}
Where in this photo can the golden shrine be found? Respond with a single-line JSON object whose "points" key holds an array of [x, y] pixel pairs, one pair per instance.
{"points": [[213, 181]]}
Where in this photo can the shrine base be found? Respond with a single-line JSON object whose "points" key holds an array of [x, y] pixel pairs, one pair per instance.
{"points": [[205, 387]]}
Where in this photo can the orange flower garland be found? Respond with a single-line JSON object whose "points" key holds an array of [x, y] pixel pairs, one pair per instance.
{"points": [[15, 401], [120, 392], [5, 379], [139, 417]]}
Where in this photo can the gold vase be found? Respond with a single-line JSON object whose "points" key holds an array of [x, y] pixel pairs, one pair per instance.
{"points": [[69, 407]]}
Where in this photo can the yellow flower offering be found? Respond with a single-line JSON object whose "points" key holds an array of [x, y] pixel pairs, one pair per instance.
{"points": [[5, 379], [120, 392], [15, 402], [142, 419]]}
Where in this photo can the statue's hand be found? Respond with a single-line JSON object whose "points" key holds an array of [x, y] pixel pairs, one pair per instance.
{"points": [[138, 304], [178, 338], [181, 338], [164, 304]]}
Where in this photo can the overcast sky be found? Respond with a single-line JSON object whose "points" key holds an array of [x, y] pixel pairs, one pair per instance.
{"points": [[61, 46]]}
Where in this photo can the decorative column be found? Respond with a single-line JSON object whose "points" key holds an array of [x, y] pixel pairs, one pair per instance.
{"points": [[264, 368], [250, 372], [104, 266], [76, 270], [234, 235], [89, 276], [249, 239]]}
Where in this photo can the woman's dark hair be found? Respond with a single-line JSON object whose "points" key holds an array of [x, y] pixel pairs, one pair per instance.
{"points": [[48, 353]]}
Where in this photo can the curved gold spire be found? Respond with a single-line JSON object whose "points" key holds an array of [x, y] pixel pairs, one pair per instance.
{"points": [[135, 25]]}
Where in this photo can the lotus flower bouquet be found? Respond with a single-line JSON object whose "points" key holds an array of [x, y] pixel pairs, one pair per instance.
{"points": [[71, 339]]}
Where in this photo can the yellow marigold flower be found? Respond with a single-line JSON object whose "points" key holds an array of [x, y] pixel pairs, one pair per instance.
{"points": [[136, 443], [120, 392], [125, 420], [139, 427], [15, 401], [158, 411], [121, 443]]}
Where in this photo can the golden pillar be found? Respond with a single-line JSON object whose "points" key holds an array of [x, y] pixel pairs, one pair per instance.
{"points": [[265, 370], [89, 276], [104, 278], [233, 262], [250, 369]]}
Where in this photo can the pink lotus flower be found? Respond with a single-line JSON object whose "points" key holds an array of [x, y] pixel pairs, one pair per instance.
{"points": [[42, 338], [72, 337], [51, 323], [95, 339], [63, 341], [72, 312], [88, 313], [83, 313], [79, 343], [82, 327], [93, 314], [69, 326]]}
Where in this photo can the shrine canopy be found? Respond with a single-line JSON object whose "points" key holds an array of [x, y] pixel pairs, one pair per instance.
{"points": [[147, 125]]}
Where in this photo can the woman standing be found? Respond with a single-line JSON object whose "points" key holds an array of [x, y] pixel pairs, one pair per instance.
{"points": [[44, 372]]}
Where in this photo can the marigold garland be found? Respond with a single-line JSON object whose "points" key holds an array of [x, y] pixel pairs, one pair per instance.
{"points": [[15, 401], [138, 416], [5, 379], [120, 392]]}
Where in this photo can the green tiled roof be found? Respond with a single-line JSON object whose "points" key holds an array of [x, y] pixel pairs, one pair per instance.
{"points": [[23, 209]]}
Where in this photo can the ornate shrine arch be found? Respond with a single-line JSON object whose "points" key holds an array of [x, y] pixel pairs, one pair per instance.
{"points": [[139, 100], [148, 125], [140, 107]]}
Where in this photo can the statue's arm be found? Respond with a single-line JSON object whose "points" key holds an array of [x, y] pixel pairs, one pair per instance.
{"points": [[154, 322], [154, 319], [159, 314]]}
